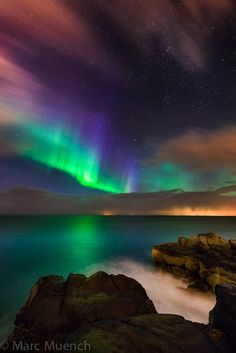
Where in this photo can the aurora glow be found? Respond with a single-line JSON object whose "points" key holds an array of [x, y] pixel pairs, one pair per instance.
{"points": [[57, 147], [93, 103], [50, 138], [167, 176]]}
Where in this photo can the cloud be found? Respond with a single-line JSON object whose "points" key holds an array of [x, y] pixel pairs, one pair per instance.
{"points": [[22, 200], [18, 88], [183, 27], [201, 151], [55, 24], [19, 98]]}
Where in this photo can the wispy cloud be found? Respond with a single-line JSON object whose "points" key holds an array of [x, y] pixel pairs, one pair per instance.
{"points": [[54, 24], [183, 27], [18, 89]]}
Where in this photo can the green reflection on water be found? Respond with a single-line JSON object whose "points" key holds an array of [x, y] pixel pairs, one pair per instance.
{"points": [[84, 240]]}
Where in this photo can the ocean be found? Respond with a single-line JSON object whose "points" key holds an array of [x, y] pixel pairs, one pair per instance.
{"points": [[34, 246]]}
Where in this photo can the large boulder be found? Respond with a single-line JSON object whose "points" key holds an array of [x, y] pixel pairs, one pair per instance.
{"points": [[223, 315], [56, 305], [205, 259]]}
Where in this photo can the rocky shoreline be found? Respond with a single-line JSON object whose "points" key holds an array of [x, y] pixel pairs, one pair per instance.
{"points": [[112, 313], [205, 260]]}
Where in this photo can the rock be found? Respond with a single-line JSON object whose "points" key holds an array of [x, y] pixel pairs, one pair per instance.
{"points": [[105, 314], [205, 259], [58, 305], [209, 239], [223, 315], [153, 333], [233, 244], [44, 305]]}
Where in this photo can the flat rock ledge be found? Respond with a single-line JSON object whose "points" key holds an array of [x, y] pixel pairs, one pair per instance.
{"points": [[206, 260], [112, 313]]}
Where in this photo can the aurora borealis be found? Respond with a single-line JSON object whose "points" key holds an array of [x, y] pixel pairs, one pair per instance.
{"points": [[52, 141], [58, 148], [112, 102]]}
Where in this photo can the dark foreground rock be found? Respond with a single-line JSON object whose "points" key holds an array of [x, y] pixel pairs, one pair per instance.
{"points": [[205, 259], [57, 305], [223, 316], [109, 314]]}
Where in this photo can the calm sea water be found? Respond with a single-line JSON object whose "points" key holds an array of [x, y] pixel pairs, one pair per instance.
{"points": [[31, 247]]}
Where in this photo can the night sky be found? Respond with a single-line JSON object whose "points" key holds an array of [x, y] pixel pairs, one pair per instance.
{"points": [[111, 102]]}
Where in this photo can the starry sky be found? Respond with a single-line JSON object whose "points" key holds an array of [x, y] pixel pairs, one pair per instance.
{"points": [[118, 106]]}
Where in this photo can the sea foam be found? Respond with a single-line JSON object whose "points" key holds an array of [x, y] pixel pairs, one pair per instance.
{"points": [[169, 294]]}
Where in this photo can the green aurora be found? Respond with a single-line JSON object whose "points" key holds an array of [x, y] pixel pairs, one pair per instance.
{"points": [[57, 147]]}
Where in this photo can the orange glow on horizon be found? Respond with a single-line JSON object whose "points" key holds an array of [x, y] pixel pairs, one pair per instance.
{"points": [[178, 211], [108, 213], [188, 211]]}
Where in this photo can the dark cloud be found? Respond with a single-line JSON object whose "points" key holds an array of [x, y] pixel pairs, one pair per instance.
{"points": [[22, 200]]}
